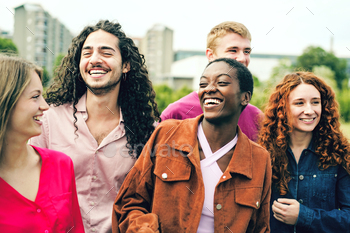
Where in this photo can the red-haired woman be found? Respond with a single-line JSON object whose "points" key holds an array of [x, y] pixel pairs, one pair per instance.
{"points": [[310, 157]]}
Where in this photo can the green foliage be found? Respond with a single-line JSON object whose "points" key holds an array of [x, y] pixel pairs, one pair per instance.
{"points": [[58, 61], [256, 81], [166, 95], [344, 104], [327, 75], [316, 56], [7, 46], [283, 68], [46, 78]]}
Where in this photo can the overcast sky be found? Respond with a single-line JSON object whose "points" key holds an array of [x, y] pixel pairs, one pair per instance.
{"points": [[277, 27]]}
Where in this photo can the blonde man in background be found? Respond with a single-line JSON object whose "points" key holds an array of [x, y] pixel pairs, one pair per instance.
{"points": [[225, 40]]}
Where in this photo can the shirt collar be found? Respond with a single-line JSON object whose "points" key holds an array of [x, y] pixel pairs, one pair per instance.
{"points": [[81, 107]]}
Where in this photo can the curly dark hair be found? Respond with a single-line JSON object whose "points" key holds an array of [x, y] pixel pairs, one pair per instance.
{"points": [[331, 145], [136, 96]]}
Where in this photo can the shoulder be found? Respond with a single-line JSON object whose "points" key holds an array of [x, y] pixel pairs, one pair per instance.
{"points": [[252, 109], [55, 157], [256, 149], [186, 107], [58, 111]]}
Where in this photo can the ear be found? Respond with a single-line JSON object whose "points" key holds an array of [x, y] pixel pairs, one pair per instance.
{"points": [[210, 54], [126, 67], [245, 98]]}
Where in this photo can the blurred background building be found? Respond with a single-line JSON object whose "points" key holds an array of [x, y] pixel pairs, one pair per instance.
{"points": [[157, 46], [38, 36]]}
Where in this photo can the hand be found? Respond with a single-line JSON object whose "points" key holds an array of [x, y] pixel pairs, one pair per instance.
{"points": [[286, 210]]}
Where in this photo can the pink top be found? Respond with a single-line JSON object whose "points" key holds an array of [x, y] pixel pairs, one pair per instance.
{"points": [[99, 169], [189, 107], [55, 208], [211, 174]]}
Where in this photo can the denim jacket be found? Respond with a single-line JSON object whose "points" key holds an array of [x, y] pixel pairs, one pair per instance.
{"points": [[324, 196]]}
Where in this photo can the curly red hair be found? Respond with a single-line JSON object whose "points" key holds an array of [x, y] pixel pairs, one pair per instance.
{"points": [[331, 145]]}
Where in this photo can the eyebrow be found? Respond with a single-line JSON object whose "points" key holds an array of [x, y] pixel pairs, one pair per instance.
{"points": [[99, 48], [236, 47]]}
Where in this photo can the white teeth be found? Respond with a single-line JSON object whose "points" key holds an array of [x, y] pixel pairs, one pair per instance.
{"points": [[37, 118], [97, 72], [307, 120], [212, 101]]}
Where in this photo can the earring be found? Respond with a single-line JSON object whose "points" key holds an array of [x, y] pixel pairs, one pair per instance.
{"points": [[124, 76]]}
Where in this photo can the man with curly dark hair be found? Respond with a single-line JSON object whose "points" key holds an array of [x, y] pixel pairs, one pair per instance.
{"points": [[102, 112]]}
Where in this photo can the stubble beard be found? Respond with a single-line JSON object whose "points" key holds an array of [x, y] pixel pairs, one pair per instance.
{"points": [[102, 90]]}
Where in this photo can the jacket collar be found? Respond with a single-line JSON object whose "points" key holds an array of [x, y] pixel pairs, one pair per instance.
{"points": [[185, 136]]}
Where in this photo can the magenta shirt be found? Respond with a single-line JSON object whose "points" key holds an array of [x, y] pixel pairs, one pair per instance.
{"points": [[55, 208], [189, 107]]}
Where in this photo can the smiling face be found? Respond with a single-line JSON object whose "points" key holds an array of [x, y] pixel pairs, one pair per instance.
{"points": [[233, 46], [219, 93], [305, 107], [25, 119], [101, 63]]}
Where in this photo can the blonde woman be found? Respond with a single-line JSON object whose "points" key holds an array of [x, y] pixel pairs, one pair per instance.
{"points": [[37, 185]]}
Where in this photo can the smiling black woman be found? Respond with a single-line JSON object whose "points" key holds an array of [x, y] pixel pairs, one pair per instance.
{"points": [[172, 185]]}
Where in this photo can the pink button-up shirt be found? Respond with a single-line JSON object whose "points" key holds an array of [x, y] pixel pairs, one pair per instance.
{"points": [[99, 169]]}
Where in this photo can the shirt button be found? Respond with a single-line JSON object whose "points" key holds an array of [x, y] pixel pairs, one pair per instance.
{"points": [[257, 204], [38, 210], [301, 201], [94, 177], [92, 203], [218, 207], [314, 176], [301, 177], [93, 229], [335, 175], [164, 175], [224, 177]]}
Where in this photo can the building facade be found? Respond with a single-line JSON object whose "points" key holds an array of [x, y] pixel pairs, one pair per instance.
{"points": [[157, 46], [38, 36]]}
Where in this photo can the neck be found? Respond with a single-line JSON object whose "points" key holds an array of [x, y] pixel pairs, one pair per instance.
{"points": [[103, 106], [15, 152], [300, 140], [219, 135]]}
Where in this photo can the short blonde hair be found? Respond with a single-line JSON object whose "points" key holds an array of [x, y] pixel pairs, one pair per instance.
{"points": [[15, 75], [224, 28]]}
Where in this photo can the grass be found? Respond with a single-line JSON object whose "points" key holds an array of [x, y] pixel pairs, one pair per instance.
{"points": [[345, 126]]}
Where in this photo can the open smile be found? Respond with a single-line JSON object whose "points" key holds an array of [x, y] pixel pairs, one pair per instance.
{"points": [[212, 102], [307, 120]]}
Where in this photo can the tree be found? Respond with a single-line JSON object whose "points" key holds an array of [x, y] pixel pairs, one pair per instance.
{"points": [[46, 78], [58, 61], [165, 95], [7, 46], [316, 56], [283, 68]]}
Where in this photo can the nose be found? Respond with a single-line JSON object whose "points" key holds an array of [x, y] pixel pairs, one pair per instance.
{"points": [[210, 88], [43, 105], [308, 109], [240, 57], [95, 58]]}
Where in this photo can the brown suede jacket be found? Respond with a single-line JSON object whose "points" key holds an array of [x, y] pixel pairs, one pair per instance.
{"points": [[164, 191]]}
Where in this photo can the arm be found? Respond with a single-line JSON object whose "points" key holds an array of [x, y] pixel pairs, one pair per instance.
{"points": [[76, 214], [336, 220], [263, 216], [131, 210]]}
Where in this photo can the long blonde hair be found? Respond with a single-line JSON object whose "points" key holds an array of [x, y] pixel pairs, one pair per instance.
{"points": [[15, 75]]}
